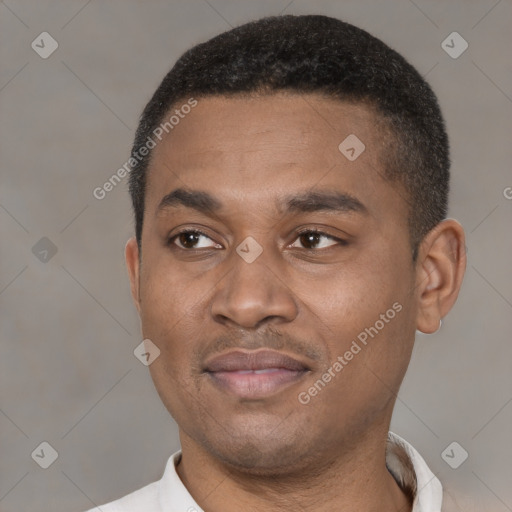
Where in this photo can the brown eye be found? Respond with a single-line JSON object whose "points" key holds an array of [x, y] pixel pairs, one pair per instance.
{"points": [[192, 239], [188, 240], [317, 240], [309, 240]]}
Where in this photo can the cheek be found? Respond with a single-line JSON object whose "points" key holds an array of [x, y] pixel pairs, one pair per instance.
{"points": [[368, 355], [169, 325], [368, 303], [167, 317], [354, 295], [164, 292]]}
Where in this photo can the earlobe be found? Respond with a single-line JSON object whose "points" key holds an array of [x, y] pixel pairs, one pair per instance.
{"points": [[131, 253], [440, 270]]}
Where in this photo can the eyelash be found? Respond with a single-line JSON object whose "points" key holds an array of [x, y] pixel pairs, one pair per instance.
{"points": [[299, 233]]}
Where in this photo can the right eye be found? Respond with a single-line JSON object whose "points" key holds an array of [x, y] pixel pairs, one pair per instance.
{"points": [[189, 239]]}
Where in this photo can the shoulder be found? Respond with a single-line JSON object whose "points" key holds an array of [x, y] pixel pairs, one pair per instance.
{"points": [[145, 499]]}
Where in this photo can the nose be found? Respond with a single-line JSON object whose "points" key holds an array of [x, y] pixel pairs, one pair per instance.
{"points": [[252, 294]]}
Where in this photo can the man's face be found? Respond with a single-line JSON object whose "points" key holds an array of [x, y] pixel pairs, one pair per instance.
{"points": [[274, 171]]}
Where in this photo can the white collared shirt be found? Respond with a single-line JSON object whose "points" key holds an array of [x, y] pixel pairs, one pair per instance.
{"points": [[170, 495]]}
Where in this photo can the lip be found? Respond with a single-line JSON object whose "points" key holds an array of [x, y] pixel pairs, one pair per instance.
{"points": [[255, 374]]}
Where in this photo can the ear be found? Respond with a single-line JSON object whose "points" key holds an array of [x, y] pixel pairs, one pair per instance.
{"points": [[131, 254], [440, 269]]}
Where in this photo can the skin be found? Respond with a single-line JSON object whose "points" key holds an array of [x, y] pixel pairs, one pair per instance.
{"points": [[306, 298]]}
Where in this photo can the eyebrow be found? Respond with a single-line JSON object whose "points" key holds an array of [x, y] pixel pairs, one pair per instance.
{"points": [[205, 203]]}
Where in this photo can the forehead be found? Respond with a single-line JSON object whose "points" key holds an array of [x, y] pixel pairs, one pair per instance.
{"points": [[233, 128], [252, 147]]}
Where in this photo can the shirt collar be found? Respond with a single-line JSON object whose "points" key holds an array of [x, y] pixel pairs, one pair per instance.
{"points": [[405, 464], [413, 475]]}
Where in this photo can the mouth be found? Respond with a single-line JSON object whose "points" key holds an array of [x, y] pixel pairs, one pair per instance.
{"points": [[255, 374]]}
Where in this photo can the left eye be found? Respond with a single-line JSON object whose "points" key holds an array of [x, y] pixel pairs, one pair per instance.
{"points": [[318, 239]]}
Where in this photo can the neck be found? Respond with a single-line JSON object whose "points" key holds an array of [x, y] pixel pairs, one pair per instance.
{"points": [[354, 480]]}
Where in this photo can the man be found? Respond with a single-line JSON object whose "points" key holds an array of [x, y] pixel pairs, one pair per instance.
{"points": [[290, 239]]}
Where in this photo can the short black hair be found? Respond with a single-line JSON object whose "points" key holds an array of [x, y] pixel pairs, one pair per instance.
{"points": [[324, 55]]}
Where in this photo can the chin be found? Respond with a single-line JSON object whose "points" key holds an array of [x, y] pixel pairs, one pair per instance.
{"points": [[270, 455], [251, 460]]}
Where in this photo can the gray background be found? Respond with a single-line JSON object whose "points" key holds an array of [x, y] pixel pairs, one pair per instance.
{"points": [[68, 327]]}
